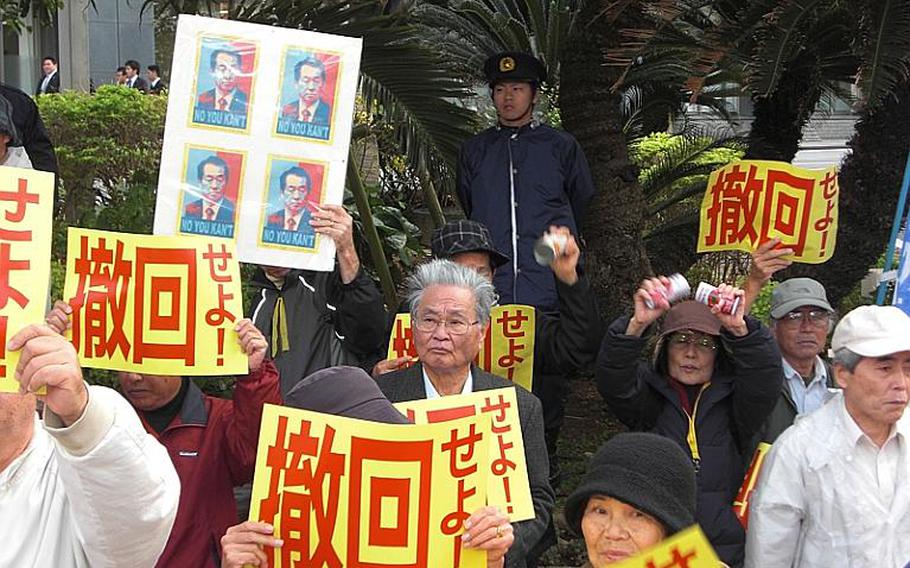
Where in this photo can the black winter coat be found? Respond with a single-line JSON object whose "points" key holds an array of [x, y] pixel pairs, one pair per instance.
{"points": [[730, 413]]}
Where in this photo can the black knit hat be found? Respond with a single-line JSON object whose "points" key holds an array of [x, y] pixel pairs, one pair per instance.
{"points": [[6, 122], [647, 471], [465, 235], [514, 66], [344, 391]]}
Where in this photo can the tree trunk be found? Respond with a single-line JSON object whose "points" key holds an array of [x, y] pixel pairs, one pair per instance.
{"points": [[590, 110], [870, 180], [779, 119]]}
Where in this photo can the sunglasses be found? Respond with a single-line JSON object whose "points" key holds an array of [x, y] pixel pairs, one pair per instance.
{"points": [[701, 342]]}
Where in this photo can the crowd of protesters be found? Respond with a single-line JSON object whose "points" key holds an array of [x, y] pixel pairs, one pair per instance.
{"points": [[148, 476]]}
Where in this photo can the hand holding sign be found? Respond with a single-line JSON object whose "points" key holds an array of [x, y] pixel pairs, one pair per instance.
{"points": [[489, 529], [252, 342], [242, 544], [48, 361]]}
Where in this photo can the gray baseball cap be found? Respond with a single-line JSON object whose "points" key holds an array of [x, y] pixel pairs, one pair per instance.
{"points": [[796, 293]]}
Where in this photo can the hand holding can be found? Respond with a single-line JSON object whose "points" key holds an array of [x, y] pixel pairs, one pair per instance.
{"points": [[677, 289], [711, 296]]}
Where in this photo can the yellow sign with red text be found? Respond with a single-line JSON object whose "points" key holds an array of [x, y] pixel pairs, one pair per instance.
{"points": [[507, 477], [152, 304], [751, 202], [26, 213], [687, 549], [345, 492], [508, 346]]}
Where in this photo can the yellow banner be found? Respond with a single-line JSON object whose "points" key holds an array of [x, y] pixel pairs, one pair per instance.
{"points": [[26, 212], [507, 478], [507, 350], [687, 549], [156, 305], [345, 492], [750, 202]]}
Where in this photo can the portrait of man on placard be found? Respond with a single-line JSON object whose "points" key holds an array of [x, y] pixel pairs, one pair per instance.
{"points": [[223, 83], [308, 91], [211, 185], [293, 189]]}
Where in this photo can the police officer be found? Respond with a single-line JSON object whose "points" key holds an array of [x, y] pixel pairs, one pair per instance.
{"points": [[520, 177]]}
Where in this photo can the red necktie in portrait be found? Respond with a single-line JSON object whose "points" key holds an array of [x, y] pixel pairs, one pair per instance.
{"points": [[305, 115], [222, 103], [291, 224], [209, 214]]}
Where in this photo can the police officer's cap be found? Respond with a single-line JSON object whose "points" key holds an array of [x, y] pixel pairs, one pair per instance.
{"points": [[514, 66]]}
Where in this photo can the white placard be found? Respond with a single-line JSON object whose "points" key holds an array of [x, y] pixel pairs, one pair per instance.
{"points": [[257, 133]]}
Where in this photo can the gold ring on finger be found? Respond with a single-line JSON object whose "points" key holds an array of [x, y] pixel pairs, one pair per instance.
{"points": [[499, 531]]}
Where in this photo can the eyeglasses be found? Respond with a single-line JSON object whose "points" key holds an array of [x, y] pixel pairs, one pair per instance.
{"points": [[702, 342], [429, 324], [817, 318]]}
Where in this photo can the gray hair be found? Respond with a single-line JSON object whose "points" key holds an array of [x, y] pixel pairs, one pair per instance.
{"points": [[448, 273], [847, 359]]}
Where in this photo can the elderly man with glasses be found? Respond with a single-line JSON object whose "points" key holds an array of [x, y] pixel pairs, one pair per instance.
{"points": [[450, 310]]}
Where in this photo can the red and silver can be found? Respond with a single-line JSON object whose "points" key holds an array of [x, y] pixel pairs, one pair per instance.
{"points": [[676, 290], [711, 296]]}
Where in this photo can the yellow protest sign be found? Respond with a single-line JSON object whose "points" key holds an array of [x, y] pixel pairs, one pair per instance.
{"points": [[750, 202], [152, 304], [686, 549], [507, 477], [26, 212], [507, 350], [345, 492]]}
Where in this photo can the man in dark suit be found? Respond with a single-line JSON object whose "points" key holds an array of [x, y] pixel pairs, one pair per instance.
{"points": [[212, 173], [156, 83], [294, 216], [450, 311], [310, 78], [133, 79], [50, 83], [225, 68]]}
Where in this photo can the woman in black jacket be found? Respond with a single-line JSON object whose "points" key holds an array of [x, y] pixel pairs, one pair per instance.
{"points": [[711, 382]]}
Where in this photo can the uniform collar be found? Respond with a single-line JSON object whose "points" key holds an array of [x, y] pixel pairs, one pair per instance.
{"points": [[513, 129]]}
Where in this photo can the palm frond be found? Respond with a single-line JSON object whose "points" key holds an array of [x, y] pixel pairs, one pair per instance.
{"points": [[884, 47]]}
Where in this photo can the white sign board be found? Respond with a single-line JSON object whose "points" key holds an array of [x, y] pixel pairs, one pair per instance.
{"points": [[257, 134]]}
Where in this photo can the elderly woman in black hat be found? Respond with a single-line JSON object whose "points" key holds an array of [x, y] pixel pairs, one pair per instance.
{"points": [[711, 382], [639, 489], [11, 151]]}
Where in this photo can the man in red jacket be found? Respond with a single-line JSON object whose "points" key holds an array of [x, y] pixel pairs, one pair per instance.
{"points": [[212, 442]]}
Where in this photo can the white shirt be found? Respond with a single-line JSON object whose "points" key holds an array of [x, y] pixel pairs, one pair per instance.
{"points": [[228, 99], [811, 397], [47, 79], [310, 109], [16, 157], [100, 493], [836, 500], [288, 218], [215, 207], [431, 391]]}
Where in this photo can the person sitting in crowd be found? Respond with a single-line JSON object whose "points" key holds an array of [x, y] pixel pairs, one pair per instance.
{"points": [[714, 379], [348, 392], [450, 311], [844, 501], [801, 319], [563, 343], [211, 441], [639, 489], [313, 320], [85, 486]]}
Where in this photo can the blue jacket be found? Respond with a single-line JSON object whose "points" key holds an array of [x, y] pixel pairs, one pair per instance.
{"points": [[730, 412], [552, 186]]}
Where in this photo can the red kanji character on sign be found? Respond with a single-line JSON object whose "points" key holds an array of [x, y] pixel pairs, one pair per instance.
{"points": [[511, 323], [512, 358], [102, 287], [183, 307], [7, 265], [735, 198], [218, 272], [677, 560], [21, 198], [297, 508], [500, 408], [403, 340], [787, 209]]}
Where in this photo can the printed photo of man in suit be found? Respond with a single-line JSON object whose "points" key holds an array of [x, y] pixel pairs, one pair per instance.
{"points": [[212, 174], [294, 215], [310, 106], [225, 68]]}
